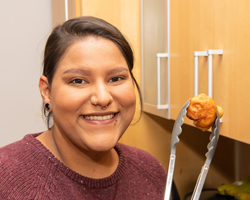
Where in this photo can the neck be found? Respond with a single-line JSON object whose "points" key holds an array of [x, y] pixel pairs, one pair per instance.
{"points": [[83, 161]]}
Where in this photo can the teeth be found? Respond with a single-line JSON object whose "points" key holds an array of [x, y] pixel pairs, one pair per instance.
{"points": [[99, 118]]}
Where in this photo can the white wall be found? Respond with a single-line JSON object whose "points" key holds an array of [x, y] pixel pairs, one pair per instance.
{"points": [[24, 28]]}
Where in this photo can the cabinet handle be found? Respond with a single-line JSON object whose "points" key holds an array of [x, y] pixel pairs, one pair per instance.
{"points": [[196, 69], [66, 10], [210, 69], [210, 54], [159, 56]]}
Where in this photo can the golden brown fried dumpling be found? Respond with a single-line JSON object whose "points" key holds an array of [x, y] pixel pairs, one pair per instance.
{"points": [[202, 110]]}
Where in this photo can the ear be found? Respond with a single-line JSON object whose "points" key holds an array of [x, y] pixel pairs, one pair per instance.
{"points": [[44, 89]]}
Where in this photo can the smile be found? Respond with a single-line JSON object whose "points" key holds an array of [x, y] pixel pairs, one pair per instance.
{"points": [[99, 118]]}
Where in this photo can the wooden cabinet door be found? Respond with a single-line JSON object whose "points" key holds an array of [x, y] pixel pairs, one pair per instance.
{"points": [[199, 25], [155, 57]]}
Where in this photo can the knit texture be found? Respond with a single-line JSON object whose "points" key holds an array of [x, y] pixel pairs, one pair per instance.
{"points": [[28, 170]]}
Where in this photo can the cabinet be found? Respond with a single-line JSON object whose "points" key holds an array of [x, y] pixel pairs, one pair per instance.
{"points": [[196, 25], [155, 57], [201, 25]]}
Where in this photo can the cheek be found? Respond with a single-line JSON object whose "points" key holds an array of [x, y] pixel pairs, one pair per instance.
{"points": [[65, 100], [127, 98]]}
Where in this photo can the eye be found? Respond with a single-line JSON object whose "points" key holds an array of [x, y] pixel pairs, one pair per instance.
{"points": [[78, 81], [115, 79]]}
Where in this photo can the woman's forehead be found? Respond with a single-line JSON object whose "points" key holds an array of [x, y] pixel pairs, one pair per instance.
{"points": [[93, 52]]}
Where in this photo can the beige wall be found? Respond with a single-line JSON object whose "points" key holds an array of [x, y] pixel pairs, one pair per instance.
{"points": [[25, 26]]}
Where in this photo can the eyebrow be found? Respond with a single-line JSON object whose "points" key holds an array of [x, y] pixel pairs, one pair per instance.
{"points": [[88, 72], [117, 70], [78, 71]]}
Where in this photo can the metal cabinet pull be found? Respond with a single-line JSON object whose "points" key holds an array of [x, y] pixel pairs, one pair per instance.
{"points": [[196, 69], [159, 56], [66, 10], [210, 69], [210, 54]]}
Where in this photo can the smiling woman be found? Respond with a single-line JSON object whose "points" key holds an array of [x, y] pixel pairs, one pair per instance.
{"points": [[87, 88]]}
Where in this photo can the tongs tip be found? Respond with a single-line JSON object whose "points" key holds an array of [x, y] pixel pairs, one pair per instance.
{"points": [[213, 140]]}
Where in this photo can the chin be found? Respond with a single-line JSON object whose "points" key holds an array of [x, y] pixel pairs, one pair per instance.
{"points": [[101, 148], [103, 145]]}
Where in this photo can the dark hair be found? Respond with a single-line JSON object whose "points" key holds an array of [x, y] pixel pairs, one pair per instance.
{"points": [[75, 29]]}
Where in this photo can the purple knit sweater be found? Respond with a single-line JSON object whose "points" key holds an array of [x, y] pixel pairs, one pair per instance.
{"points": [[28, 170]]}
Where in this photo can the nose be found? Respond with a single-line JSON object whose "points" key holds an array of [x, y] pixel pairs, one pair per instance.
{"points": [[101, 95]]}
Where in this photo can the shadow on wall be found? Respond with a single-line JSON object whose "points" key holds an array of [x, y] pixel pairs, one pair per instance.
{"points": [[224, 157]]}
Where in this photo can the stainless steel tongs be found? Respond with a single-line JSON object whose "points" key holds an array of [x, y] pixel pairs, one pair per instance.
{"points": [[175, 139]]}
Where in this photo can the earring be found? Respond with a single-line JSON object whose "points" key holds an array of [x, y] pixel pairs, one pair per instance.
{"points": [[47, 107]]}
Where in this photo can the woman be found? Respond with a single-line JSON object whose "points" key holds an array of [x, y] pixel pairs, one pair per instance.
{"points": [[87, 89]]}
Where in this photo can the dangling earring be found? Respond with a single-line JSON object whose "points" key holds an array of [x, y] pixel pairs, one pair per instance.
{"points": [[47, 107], [47, 110]]}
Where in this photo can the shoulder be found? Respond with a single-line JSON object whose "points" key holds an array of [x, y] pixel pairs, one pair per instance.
{"points": [[138, 155], [19, 163], [144, 175], [11, 151], [143, 161], [17, 150], [18, 156]]}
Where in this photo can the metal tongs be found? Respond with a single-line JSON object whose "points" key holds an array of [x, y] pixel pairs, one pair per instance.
{"points": [[209, 155]]}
